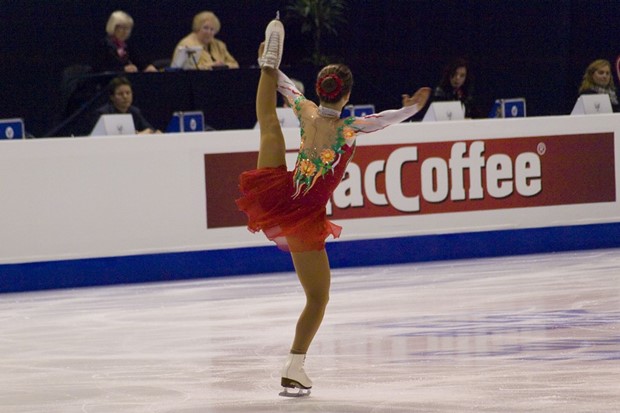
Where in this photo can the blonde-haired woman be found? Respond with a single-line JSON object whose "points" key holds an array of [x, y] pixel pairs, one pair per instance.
{"points": [[116, 56], [213, 52], [598, 79]]}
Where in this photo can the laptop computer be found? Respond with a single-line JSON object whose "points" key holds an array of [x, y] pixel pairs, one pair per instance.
{"points": [[186, 57], [12, 129], [287, 118], [357, 110], [193, 121], [363, 110], [114, 124], [347, 111], [508, 108], [592, 104], [451, 110]]}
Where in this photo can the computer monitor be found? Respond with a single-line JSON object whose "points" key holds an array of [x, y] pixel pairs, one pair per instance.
{"points": [[363, 110], [12, 129], [508, 108], [193, 121], [357, 110], [451, 110], [592, 104], [347, 111], [287, 118], [114, 124], [186, 57]]}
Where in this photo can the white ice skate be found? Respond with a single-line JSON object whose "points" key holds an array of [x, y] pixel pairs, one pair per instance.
{"points": [[294, 379], [274, 44]]}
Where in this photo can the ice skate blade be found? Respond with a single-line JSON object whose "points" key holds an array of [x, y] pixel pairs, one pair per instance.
{"points": [[294, 392], [292, 384], [293, 388]]}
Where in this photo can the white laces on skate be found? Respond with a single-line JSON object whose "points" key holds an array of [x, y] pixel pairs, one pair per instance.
{"points": [[274, 42], [273, 49]]}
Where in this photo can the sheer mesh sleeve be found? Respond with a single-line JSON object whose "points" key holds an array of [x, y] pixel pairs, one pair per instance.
{"points": [[378, 121], [287, 88]]}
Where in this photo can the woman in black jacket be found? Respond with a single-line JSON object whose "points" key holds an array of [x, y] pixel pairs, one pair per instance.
{"points": [[457, 84], [114, 54]]}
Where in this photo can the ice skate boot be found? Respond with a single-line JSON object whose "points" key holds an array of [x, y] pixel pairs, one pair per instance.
{"points": [[274, 44], [294, 379]]}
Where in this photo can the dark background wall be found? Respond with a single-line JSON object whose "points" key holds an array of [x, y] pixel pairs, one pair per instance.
{"points": [[537, 49]]}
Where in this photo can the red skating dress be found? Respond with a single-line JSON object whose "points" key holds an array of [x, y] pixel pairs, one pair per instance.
{"points": [[291, 204], [271, 205]]}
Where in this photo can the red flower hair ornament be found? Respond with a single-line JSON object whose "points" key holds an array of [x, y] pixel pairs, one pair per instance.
{"points": [[334, 93]]}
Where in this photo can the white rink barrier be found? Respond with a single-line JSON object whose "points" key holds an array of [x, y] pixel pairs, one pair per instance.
{"points": [[103, 210]]}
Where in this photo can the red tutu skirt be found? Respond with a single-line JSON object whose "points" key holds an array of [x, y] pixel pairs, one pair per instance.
{"points": [[295, 225]]}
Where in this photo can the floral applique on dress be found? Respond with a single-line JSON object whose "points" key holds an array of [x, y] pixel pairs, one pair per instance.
{"points": [[311, 165]]}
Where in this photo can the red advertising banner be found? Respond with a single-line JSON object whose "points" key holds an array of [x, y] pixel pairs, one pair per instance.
{"points": [[438, 177]]}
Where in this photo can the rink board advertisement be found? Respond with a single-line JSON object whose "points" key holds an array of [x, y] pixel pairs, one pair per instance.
{"points": [[440, 177], [90, 211]]}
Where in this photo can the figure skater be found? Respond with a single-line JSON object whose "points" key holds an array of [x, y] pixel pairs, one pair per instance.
{"points": [[290, 206]]}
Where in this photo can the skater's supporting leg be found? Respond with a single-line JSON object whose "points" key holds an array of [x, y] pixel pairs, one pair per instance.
{"points": [[312, 268], [272, 148]]}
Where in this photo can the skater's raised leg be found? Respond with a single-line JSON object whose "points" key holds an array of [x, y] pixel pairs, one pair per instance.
{"points": [[272, 150], [272, 147]]}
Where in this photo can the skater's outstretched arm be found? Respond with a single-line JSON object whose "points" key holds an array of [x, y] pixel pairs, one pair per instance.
{"points": [[376, 121]]}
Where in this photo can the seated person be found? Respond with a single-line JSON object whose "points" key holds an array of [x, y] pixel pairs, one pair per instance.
{"points": [[457, 84], [598, 79], [214, 53], [114, 55], [121, 99]]}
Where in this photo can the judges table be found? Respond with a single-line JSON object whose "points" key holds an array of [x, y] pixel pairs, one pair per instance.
{"points": [[226, 97]]}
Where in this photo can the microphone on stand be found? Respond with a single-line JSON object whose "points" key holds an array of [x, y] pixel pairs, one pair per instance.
{"points": [[214, 67], [191, 54]]}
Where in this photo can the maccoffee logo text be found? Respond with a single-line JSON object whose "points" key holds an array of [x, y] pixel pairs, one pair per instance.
{"points": [[467, 175]]}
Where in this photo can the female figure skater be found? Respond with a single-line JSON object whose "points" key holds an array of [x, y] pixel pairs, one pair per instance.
{"points": [[289, 206]]}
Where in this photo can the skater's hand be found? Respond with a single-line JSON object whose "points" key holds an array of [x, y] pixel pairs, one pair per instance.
{"points": [[419, 98]]}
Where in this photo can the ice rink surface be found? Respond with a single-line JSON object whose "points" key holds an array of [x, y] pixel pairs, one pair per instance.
{"points": [[536, 333]]}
